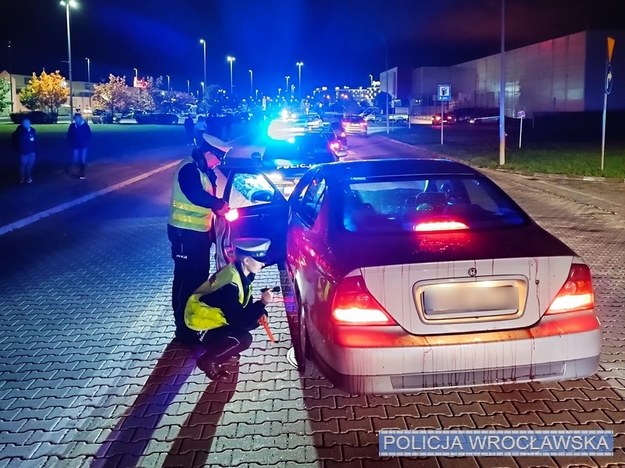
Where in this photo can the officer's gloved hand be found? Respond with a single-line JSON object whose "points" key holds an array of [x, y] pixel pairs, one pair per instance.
{"points": [[224, 209]]}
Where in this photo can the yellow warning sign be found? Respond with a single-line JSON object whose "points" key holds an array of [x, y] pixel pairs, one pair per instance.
{"points": [[611, 42]]}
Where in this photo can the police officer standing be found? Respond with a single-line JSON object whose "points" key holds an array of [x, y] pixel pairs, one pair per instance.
{"points": [[221, 310], [190, 228]]}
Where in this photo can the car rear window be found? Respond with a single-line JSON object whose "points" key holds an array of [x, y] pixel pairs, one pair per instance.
{"points": [[406, 203]]}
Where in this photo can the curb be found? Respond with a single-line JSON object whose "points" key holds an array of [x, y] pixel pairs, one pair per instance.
{"points": [[78, 201], [541, 175]]}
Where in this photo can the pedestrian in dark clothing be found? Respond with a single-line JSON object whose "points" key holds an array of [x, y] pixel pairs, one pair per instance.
{"points": [[200, 129], [221, 311], [189, 127], [194, 203], [79, 137], [25, 144]]}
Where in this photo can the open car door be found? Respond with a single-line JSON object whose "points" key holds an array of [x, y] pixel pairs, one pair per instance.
{"points": [[261, 211]]}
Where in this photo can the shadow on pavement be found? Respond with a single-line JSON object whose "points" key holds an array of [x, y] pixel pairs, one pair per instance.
{"points": [[193, 444], [129, 439]]}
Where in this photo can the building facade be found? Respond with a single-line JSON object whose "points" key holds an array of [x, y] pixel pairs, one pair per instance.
{"points": [[566, 74]]}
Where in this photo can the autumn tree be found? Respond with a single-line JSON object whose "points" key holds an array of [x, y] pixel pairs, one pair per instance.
{"points": [[48, 92], [113, 95], [5, 94]]}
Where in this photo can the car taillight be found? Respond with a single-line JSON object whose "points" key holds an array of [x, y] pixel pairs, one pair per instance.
{"points": [[353, 304], [342, 134], [232, 215], [576, 293], [440, 226]]}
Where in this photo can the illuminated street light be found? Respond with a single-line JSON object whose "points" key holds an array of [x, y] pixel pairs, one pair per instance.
{"points": [[299, 74], [136, 76], [168, 82], [371, 79], [203, 42], [231, 60], [287, 78], [69, 4], [188, 86]]}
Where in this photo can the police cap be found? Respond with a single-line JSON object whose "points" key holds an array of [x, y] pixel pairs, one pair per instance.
{"points": [[213, 144], [254, 247]]}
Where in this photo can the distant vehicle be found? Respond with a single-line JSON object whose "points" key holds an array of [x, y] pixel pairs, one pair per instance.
{"points": [[339, 133], [155, 118], [411, 274], [398, 117], [100, 116], [354, 125], [449, 118], [36, 117]]}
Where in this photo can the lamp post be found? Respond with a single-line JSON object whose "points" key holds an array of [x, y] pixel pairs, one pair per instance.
{"points": [[188, 86], [69, 4], [203, 90], [168, 83], [136, 83], [89, 79], [502, 91], [251, 82], [287, 78], [231, 60], [203, 42], [299, 75], [10, 73], [371, 79]]}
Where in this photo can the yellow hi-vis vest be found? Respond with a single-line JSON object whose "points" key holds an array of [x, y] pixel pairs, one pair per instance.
{"points": [[185, 214], [201, 317]]}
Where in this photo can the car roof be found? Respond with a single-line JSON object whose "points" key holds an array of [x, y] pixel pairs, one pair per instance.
{"points": [[402, 166]]}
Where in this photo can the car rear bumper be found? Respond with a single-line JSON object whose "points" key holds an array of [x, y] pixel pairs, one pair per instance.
{"points": [[557, 348]]}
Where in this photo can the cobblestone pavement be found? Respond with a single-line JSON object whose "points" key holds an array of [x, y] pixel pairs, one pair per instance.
{"points": [[90, 376]]}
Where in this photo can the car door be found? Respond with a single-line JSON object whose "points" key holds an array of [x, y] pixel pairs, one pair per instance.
{"points": [[261, 212]]}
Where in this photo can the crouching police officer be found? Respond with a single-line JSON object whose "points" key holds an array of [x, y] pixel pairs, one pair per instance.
{"points": [[190, 228], [221, 310]]}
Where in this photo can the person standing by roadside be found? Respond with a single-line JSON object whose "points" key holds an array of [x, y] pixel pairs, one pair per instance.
{"points": [[79, 137], [189, 127], [25, 144], [194, 203]]}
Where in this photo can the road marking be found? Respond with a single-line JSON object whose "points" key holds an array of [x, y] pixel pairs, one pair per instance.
{"points": [[78, 201]]}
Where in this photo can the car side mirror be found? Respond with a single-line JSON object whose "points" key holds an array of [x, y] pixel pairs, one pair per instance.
{"points": [[262, 196]]}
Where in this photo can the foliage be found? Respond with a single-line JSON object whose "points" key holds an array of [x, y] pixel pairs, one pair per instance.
{"points": [[5, 94], [113, 95], [48, 91]]}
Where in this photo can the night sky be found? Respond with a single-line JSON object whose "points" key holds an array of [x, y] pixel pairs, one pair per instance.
{"points": [[340, 41]]}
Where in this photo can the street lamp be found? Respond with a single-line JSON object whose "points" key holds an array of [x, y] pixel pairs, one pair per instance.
{"points": [[371, 79], [69, 4], [231, 60], [188, 86], [299, 74], [168, 82], [136, 76], [89, 79], [203, 42], [203, 90], [287, 77], [251, 82]]}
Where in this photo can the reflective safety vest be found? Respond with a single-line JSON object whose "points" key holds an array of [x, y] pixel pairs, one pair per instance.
{"points": [[199, 316], [185, 214]]}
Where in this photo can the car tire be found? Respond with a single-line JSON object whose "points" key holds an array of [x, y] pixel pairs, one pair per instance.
{"points": [[303, 354]]}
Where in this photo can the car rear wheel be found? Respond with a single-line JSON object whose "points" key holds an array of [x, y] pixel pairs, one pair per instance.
{"points": [[302, 350]]}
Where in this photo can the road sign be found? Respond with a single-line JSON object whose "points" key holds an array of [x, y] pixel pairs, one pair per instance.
{"points": [[444, 93]]}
